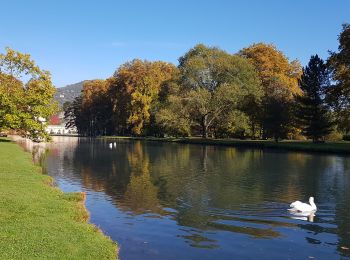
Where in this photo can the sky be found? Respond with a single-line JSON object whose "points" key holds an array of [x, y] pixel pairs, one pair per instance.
{"points": [[79, 40]]}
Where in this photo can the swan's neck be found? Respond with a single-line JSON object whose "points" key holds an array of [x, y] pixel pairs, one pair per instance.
{"points": [[313, 205]]}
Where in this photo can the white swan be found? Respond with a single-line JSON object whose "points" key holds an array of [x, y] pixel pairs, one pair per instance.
{"points": [[303, 207], [110, 145]]}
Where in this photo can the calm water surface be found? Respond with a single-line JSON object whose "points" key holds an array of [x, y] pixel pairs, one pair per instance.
{"points": [[175, 201]]}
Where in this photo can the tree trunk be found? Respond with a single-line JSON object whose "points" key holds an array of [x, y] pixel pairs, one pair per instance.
{"points": [[253, 131], [204, 126]]}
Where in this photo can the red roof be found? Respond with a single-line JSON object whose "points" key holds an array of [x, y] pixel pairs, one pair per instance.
{"points": [[55, 120]]}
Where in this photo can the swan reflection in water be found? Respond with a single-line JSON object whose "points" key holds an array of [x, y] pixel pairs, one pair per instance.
{"points": [[306, 216]]}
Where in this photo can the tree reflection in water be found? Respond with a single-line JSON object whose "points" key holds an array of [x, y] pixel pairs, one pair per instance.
{"points": [[209, 189], [141, 193]]}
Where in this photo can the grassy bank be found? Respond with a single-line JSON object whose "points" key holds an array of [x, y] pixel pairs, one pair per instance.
{"points": [[38, 220], [330, 147]]}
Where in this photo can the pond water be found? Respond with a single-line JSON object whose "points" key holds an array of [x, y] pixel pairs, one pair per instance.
{"points": [[177, 201]]}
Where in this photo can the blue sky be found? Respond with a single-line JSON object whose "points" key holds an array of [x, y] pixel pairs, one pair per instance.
{"points": [[77, 40]]}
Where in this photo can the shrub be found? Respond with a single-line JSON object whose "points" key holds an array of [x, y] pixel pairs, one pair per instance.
{"points": [[346, 137], [334, 136]]}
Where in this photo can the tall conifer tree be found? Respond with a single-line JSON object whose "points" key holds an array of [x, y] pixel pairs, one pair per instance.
{"points": [[313, 113]]}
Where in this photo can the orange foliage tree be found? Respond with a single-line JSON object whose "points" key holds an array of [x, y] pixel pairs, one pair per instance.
{"points": [[279, 78], [135, 87]]}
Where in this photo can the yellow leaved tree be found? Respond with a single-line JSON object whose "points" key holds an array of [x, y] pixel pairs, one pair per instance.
{"points": [[136, 86], [26, 96]]}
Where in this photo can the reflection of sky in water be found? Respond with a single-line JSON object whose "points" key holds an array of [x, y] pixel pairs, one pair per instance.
{"points": [[174, 201]]}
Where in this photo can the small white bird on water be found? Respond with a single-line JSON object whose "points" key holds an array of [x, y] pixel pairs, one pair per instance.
{"points": [[298, 206]]}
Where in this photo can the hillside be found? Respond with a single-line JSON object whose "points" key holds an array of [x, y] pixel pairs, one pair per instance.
{"points": [[69, 92]]}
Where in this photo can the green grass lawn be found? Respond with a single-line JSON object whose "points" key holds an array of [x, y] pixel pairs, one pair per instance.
{"points": [[342, 147], [40, 221]]}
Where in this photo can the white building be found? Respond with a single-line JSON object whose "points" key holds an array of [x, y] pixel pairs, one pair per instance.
{"points": [[57, 126]]}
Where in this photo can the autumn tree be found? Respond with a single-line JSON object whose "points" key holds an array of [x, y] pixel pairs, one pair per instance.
{"points": [[214, 83], [26, 95], [11, 93], [97, 106], [313, 113], [279, 78], [338, 95], [91, 112], [134, 88]]}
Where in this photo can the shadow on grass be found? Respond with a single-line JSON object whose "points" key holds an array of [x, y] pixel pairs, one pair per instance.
{"points": [[4, 140]]}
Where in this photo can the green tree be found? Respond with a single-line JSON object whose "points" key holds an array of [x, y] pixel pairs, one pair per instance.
{"points": [[173, 117], [26, 96], [214, 83], [338, 95], [66, 105], [277, 111], [313, 113], [236, 124], [76, 116], [171, 114]]}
